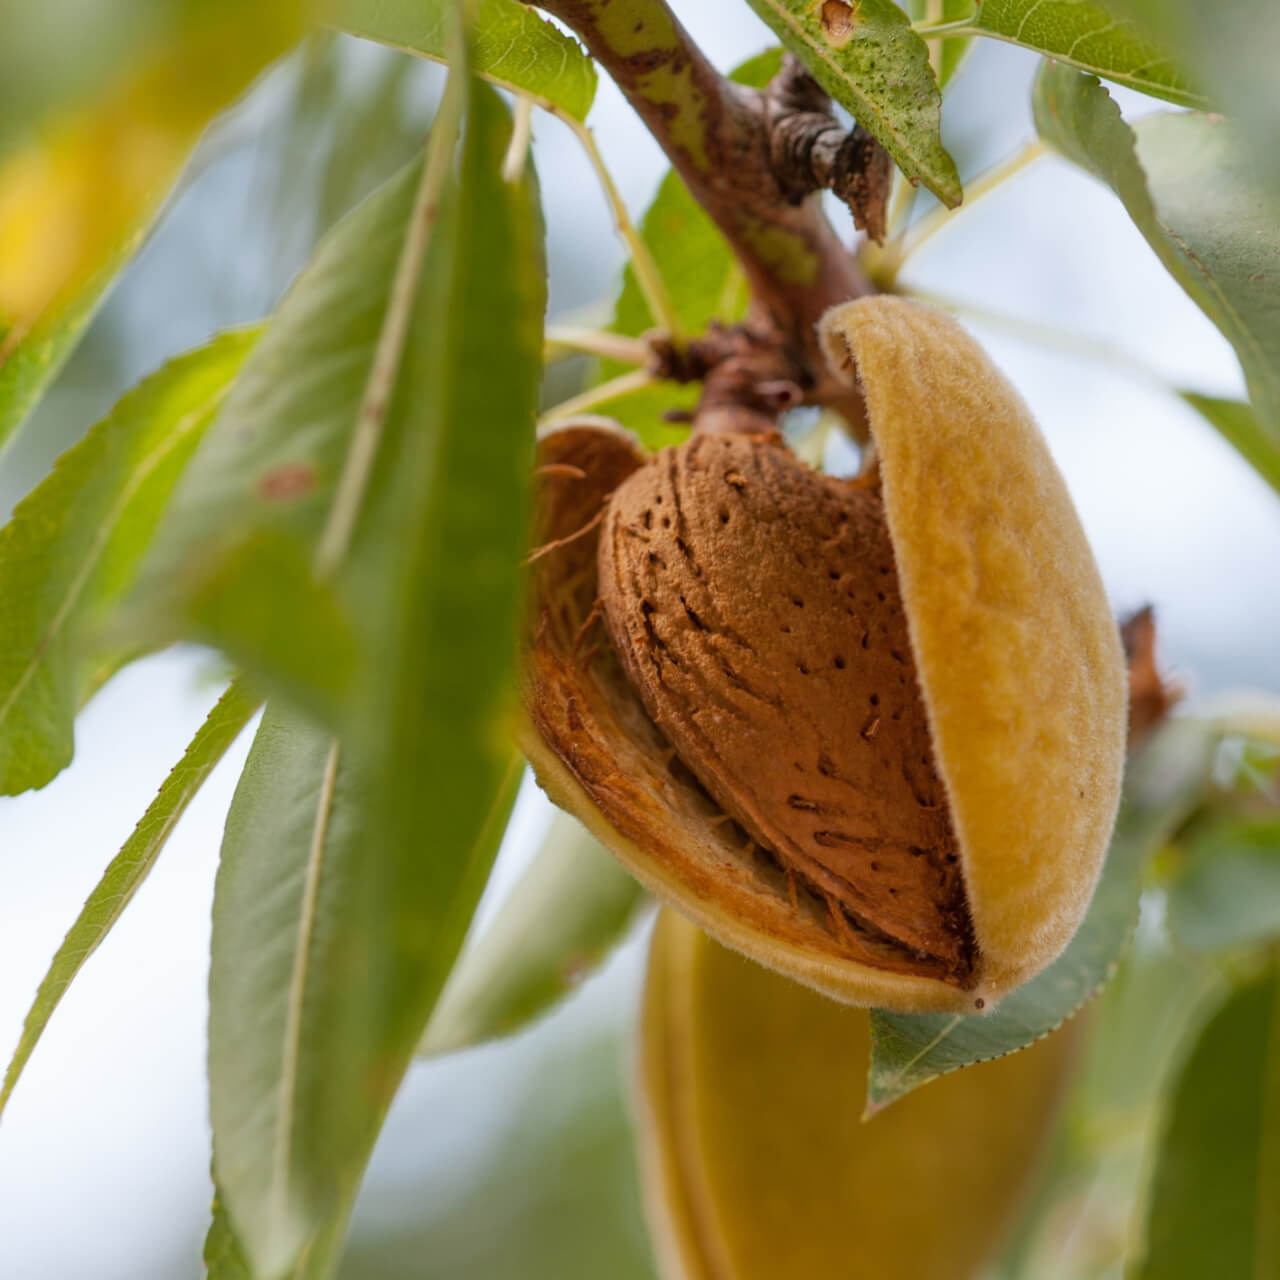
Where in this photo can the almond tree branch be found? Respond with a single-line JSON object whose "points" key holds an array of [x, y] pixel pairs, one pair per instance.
{"points": [[755, 167]]}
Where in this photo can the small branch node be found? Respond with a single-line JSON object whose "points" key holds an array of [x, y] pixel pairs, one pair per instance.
{"points": [[810, 151]]}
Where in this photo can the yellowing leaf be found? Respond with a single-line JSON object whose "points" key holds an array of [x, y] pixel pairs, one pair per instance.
{"points": [[77, 192]]}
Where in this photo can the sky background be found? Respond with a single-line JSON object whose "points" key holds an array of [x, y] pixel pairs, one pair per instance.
{"points": [[104, 1148]]}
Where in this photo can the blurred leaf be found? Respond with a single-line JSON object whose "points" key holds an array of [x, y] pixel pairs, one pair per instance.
{"points": [[350, 873], [952, 50], [30, 358], [1230, 49], [58, 54], [77, 193], [1226, 891], [1239, 425], [533, 1175], [223, 1257], [510, 45], [262, 580], [703, 280], [571, 907], [1163, 783], [73, 546], [337, 136], [1215, 1200], [131, 866], [1189, 187], [870, 61], [1093, 35]]}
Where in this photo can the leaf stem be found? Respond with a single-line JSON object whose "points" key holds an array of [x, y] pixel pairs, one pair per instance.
{"points": [[885, 265], [648, 277], [956, 27], [612, 346], [376, 401], [595, 396], [521, 136]]}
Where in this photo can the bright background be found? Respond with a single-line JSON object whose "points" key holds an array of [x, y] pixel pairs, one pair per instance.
{"points": [[104, 1148]]}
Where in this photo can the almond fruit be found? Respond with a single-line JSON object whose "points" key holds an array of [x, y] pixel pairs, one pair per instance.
{"points": [[869, 732], [757, 1162]]}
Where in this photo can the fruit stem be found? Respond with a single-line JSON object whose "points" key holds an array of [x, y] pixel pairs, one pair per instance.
{"points": [[718, 135], [612, 346], [883, 265], [648, 277], [593, 397]]}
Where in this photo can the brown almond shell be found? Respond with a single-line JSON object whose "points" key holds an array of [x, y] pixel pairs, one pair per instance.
{"points": [[597, 753]]}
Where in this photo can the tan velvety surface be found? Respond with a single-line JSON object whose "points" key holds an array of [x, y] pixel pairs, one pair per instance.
{"points": [[1018, 654], [756, 1165], [598, 754], [754, 605]]}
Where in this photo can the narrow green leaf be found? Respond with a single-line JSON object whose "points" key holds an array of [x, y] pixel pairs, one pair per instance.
{"points": [[1189, 186], [1239, 425], [30, 359], [1226, 891], [350, 873], [268, 467], [869, 60], [130, 867], [703, 281], [1093, 35], [571, 907], [908, 1050], [74, 544], [1215, 1200], [223, 1257], [510, 45]]}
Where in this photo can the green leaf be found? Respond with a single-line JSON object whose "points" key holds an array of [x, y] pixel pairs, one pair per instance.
{"points": [[571, 907], [869, 60], [30, 359], [1093, 35], [1240, 426], [703, 280], [350, 873], [266, 474], [510, 45], [312, 995], [74, 544], [223, 1256], [1226, 891], [130, 868], [945, 53], [908, 1050], [1230, 49], [1215, 1199], [1189, 187]]}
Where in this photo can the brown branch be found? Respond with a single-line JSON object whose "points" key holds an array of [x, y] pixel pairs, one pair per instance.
{"points": [[756, 173]]}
